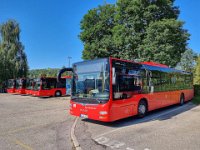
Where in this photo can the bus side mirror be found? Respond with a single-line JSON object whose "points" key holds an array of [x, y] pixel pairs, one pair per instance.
{"points": [[113, 76], [62, 71]]}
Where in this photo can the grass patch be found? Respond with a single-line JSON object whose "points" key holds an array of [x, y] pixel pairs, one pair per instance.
{"points": [[196, 99]]}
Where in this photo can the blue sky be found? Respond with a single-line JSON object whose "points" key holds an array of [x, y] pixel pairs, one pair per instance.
{"points": [[50, 28]]}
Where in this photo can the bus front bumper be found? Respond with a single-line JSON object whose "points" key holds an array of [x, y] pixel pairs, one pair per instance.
{"points": [[90, 111]]}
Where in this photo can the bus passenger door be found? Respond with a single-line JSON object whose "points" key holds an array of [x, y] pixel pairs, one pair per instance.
{"points": [[122, 106], [123, 102]]}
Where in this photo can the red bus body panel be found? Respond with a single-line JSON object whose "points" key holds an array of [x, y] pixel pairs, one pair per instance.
{"points": [[91, 110], [28, 92], [47, 93], [125, 108], [11, 90], [20, 91]]}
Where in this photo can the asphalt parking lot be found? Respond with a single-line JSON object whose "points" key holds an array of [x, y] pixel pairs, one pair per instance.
{"points": [[173, 128], [32, 123]]}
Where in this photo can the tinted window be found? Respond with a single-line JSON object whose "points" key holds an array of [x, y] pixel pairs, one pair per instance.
{"points": [[128, 79]]}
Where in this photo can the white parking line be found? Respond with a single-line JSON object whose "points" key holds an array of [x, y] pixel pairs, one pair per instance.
{"points": [[144, 120], [113, 144], [109, 143], [128, 148]]}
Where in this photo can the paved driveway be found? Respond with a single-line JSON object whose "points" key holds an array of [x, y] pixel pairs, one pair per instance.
{"points": [[172, 128], [34, 123]]}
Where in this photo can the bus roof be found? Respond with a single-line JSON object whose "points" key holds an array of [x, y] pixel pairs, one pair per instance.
{"points": [[151, 63], [147, 65]]}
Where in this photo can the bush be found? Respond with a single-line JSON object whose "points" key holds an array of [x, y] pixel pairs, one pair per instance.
{"points": [[197, 89], [196, 99]]}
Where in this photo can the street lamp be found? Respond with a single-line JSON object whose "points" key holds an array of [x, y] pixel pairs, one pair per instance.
{"points": [[69, 59]]}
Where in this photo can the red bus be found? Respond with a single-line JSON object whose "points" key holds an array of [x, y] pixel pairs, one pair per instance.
{"points": [[20, 86], [47, 86], [111, 89], [11, 86], [29, 86]]}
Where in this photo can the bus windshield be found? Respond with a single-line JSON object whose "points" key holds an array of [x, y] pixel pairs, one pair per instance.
{"points": [[29, 84], [11, 83], [91, 80], [18, 84], [37, 84]]}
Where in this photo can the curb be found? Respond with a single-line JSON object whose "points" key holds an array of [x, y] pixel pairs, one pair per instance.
{"points": [[73, 137]]}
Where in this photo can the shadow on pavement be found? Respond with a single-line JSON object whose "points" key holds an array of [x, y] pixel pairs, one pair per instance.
{"points": [[159, 114]]}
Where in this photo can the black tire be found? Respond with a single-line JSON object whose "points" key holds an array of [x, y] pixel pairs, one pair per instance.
{"points": [[142, 109], [57, 94], [182, 99]]}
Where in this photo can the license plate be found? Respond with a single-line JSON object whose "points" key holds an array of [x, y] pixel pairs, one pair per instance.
{"points": [[84, 116]]}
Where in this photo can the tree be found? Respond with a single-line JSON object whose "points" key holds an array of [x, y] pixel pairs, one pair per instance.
{"points": [[165, 41], [49, 72], [187, 62], [133, 17], [197, 72], [13, 58], [141, 29], [96, 32]]}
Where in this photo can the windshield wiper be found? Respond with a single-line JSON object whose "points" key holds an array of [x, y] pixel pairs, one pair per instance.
{"points": [[98, 101]]}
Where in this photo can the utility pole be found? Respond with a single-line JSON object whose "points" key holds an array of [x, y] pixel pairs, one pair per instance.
{"points": [[69, 59]]}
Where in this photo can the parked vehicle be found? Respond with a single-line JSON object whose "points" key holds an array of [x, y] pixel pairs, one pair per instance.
{"points": [[47, 86], [29, 86], [20, 86], [11, 86], [110, 89]]}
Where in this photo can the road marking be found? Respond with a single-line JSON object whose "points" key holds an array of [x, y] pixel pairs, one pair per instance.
{"points": [[24, 146], [113, 144], [102, 140], [144, 120], [128, 148], [109, 143]]}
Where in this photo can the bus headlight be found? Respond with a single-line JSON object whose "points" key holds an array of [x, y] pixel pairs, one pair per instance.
{"points": [[103, 112]]}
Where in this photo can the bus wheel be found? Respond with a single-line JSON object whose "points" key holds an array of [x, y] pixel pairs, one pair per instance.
{"points": [[142, 109], [182, 99], [57, 94]]}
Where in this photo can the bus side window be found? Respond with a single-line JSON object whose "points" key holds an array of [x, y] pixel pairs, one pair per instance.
{"points": [[126, 85], [156, 80], [165, 81]]}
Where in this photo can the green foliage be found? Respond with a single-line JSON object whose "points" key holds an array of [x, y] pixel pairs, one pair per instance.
{"points": [[135, 29], [197, 90], [13, 62], [49, 72], [187, 62], [197, 72], [164, 42], [97, 32], [196, 99]]}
